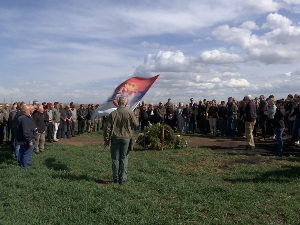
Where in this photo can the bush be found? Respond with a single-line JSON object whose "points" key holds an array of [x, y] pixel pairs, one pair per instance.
{"points": [[153, 138]]}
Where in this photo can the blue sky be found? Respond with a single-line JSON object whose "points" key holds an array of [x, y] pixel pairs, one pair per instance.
{"points": [[81, 50]]}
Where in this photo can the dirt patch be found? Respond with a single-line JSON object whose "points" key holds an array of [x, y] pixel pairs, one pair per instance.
{"points": [[229, 145]]}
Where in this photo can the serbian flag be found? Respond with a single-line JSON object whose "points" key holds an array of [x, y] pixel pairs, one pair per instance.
{"points": [[133, 89]]}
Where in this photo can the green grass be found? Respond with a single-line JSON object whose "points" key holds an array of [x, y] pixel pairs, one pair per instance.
{"points": [[68, 185]]}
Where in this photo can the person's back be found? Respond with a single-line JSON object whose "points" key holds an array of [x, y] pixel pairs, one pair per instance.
{"points": [[122, 122], [119, 130]]}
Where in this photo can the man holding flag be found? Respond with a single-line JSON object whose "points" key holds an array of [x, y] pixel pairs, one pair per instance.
{"points": [[119, 131]]}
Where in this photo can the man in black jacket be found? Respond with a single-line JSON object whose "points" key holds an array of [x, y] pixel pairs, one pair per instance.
{"points": [[262, 113], [144, 115], [187, 113], [223, 119], [25, 135], [62, 123], [39, 120], [81, 115], [250, 120]]}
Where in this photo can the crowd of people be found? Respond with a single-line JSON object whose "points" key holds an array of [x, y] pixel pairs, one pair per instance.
{"points": [[27, 127], [229, 119]]}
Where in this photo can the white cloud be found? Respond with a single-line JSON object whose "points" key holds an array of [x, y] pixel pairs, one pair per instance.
{"points": [[277, 21], [147, 44], [250, 25], [261, 6], [280, 45], [197, 40], [6, 92], [219, 57], [297, 72], [236, 83]]}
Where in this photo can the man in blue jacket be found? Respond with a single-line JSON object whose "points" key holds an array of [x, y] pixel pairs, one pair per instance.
{"points": [[25, 135]]}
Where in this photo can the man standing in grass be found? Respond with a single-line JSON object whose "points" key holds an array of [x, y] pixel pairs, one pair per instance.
{"points": [[56, 120], [250, 120], [25, 135], [119, 130]]}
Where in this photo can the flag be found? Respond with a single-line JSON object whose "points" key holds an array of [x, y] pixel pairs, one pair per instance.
{"points": [[133, 89]]}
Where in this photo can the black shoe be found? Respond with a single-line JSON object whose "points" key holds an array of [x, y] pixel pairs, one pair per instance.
{"points": [[123, 182], [116, 181]]}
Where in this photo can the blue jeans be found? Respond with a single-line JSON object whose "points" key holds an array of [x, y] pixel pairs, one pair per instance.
{"points": [[296, 130], [119, 155], [278, 133], [7, 132], [186, 125], [230, 126], [25, 155], [68, 128], [16, 149]]}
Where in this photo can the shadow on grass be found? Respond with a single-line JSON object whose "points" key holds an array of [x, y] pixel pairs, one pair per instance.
{"points": [[6, 154], [285, 175], [52, 163], [82, 177]]}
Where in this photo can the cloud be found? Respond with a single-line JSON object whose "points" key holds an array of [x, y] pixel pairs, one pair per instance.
{"points": [[147, 44], [277, 21], [250, 25], [280, 45], [236, 83], [297, 72], [6, 92], [219, 57], [261, 6]]}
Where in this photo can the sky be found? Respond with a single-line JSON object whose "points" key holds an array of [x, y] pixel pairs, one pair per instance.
{"points": [[81, 51]]}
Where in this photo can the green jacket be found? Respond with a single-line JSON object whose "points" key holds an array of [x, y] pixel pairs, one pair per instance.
{"points": [[56, 115], [120, 124]]}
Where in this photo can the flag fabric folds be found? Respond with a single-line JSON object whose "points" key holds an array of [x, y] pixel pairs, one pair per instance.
{"points": [[133, 89]]}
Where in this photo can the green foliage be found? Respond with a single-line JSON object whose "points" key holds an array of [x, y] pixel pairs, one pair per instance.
{"points": [[153, 138]]}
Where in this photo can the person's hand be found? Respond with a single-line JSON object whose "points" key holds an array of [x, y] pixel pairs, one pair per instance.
{"points": [[30, 143]]}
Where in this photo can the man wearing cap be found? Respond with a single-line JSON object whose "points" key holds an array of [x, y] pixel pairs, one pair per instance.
{"points": [[161, 112], [119, 130], [81, 115], [56, 120], [169, 103]]}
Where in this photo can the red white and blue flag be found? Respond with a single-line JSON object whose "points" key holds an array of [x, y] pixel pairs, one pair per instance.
{"points": [[133, 89]]}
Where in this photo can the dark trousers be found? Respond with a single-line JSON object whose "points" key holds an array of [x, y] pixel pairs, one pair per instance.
{"points": [[72, 128], [1, 133], [61, 129], [81, 124], [49, 131], [223, 126], [263, 126], [270, 129]]}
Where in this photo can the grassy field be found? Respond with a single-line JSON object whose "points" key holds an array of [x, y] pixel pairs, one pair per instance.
{"points": [[71, 185]]}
